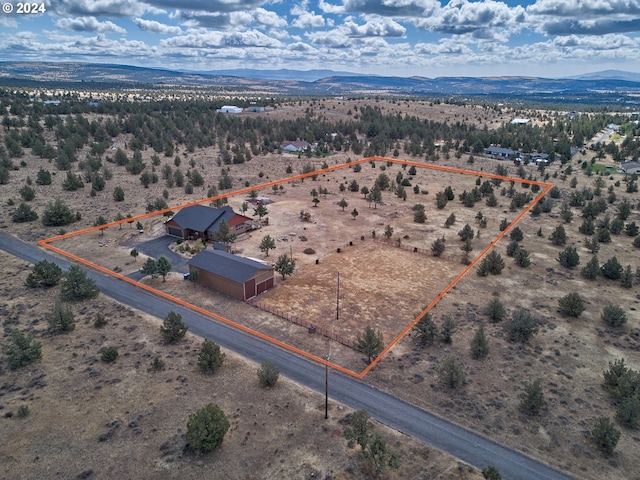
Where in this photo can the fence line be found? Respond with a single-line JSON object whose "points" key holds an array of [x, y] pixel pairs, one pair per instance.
{"points": [[325, 332]]}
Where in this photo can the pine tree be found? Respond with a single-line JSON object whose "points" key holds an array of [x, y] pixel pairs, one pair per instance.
{"points": [[592, 269], [76, 285], [371, 343], [532, 401], [210, 358], [173, 329], [479, 344]]}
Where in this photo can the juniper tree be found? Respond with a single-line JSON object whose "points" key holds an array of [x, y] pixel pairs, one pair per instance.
{"points": [[479, 344], [21, 350], [558, 236], [45, 274], [521, 258], [173, 329], [571, 305], [61, 318], [448, 329], [605, 435], [532, 401], [569, 257], [495, 310], [370, 343], [268, 374], [426, 330], [76, 285], [450, 372], [210, 358], [592, 269], [522, 326], [207, 427]]}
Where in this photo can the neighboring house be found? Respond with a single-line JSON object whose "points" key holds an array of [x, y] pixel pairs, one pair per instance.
{"points": [[630, 167], [520, 121], [229, 109], [296, 146], [200, 221], [540, 158], [256, 109], [613, 126], [239, 277], [500, 152]]}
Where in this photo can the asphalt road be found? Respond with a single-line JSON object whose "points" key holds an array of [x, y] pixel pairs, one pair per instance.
{"points": [[404, 417]]}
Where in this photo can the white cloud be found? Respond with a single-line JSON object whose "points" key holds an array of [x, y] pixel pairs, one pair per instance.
{"points": [[484, 20], [157, 27], [99, 8], [215, 40], [89, 24], [388, 8]]}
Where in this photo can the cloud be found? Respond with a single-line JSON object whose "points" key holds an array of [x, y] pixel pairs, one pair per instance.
{"points": [[307, 20], [89, 24], [210, 6], [215, 40], [231, 20], [444, 47], [586, 17], [387, 8], [483, 20], [349, 32], [157, 27], [98, 8]]}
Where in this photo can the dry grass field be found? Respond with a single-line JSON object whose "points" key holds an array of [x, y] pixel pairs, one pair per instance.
{"points": [[568, 355]]}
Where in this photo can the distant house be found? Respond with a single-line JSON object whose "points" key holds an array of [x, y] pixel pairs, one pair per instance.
{"points": [[200, 221], [540, 159], [55, 103], [630, 167], [520, 121], [255, 109], [229, 109], [295, 146], [500, 152], [239, 277], [614, 127]]}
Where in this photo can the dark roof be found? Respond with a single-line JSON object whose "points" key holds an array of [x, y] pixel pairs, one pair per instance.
{"points": [[201, 218], [235, 268], [499, 151]]}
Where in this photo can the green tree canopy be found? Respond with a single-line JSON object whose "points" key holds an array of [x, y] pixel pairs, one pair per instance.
{"points": [[173, 329], [77, 286], [210, 358], [207, 427], [371, 343]]}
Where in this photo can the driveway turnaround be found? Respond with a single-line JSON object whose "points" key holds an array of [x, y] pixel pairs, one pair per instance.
{"points": [[398, 414]]}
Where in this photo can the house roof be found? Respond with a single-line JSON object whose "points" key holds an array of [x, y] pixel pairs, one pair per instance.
{"points": [[226, 265], [201, 218], [630, 165], [499, 151]]}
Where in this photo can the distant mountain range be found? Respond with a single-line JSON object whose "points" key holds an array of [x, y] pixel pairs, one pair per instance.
{"points": [[601, 87]]}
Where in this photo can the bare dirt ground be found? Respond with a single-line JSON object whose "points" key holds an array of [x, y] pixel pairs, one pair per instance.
{"points": [[568, 355], [89, 419]]}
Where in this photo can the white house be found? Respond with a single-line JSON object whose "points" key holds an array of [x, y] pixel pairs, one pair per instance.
{"points": [[520, 121], [295, 146], [631, 167], [229, 109]]}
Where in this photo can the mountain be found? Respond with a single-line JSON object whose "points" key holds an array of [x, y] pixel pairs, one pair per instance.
{"points": [[609, 75], [609, 87]]}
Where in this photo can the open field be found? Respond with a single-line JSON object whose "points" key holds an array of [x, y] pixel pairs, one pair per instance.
{"points": [[568, 355]]}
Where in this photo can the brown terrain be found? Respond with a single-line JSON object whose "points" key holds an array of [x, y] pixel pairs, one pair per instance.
{"points": [[382, 284]]}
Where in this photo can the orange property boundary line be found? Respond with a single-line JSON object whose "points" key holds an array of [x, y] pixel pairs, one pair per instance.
{"points": [[47, 244]]}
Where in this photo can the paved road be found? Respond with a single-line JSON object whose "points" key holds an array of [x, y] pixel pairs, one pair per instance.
{"points": [[412, 421], [160, 246]]}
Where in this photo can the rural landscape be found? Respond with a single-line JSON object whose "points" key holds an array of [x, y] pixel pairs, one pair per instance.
{"points": [[476, 257]]}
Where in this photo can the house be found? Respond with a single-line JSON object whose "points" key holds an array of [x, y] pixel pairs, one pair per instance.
{"points": [[630, 167], [295, 146], [239, 277], [229, 109], [540, 159], [256, 109], [500, 152], [520, 121], [200, 221]]}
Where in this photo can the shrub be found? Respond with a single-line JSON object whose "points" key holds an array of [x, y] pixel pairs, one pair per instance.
{"points": [[613, 315], [448, 329], [45, 274], [109, 354], [61, 318], [207, 427], [592, 269], [522, 326], [479, 344], [516, 234], [438, 246], [99, 320], [605, 435], [21, 350], [450, 372], [492, 264], [612, 269], [532, 401], [628, 411], [24, 213], [571, 305], [268, 374], [522, 258], [76, 285], [173, 329], [558, 236], [569, 257], [426, 330], [512, 248], [23, 411], [210, 358], [626, 279], [491, 473], [157, 364], [495, 310]]}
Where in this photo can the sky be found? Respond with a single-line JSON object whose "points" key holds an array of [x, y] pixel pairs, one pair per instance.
{"points": [[429, 38]]}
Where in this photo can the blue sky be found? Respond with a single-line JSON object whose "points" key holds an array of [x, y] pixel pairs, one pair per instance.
{"points": [[431, 38]]}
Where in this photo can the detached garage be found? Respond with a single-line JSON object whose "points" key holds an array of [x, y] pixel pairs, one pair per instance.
{"points": [[236, 276]]}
